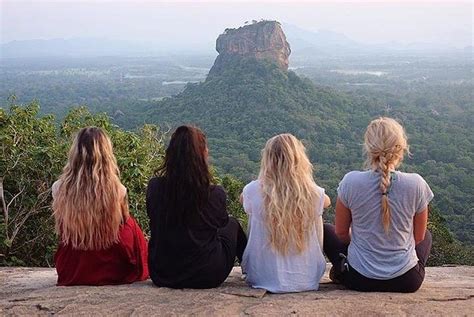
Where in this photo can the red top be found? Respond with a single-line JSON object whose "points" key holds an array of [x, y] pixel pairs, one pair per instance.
{"points": [[124, 262]]}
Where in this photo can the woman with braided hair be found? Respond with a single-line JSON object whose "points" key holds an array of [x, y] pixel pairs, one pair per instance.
{"points": [[379, 241]]}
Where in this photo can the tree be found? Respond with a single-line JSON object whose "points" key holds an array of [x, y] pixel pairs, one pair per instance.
{"points": [[34, 151], [446, 249]]}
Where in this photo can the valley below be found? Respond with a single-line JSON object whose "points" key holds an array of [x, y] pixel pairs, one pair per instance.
{"points": [[326, 100]]}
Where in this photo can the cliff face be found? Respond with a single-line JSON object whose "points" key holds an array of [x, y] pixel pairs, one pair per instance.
{"points": [[264, 40]]}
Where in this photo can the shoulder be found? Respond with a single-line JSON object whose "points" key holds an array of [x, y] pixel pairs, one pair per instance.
{"points": [[218, 192], [352, 184], [155, 182], [123, 190], [355, 177], [130, 223], [413, 180], [55, 187], [251, 187], [414, 177], [320, 189]]}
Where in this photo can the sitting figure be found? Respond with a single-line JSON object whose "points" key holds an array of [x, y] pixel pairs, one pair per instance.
{"points": [[285, 206], [193, 241], [99, 242], [380, 242]]}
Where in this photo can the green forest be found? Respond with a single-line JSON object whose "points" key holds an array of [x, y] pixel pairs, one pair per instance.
{"points": [[34, 149], [252, 101], [239, 110]]}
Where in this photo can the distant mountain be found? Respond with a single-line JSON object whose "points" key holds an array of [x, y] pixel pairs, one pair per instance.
{"points": [[77, 47], [313, 45], [305, 45], [91, 47], [322, 41]]}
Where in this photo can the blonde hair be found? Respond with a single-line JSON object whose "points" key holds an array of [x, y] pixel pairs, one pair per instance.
{"points": [[290, 194], [385, 145], [90, 204]]}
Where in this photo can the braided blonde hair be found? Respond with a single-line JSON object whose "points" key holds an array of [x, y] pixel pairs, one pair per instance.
{"points": [[385, 143]]}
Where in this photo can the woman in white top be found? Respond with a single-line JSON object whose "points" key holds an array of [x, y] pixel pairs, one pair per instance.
{"points": [[381, 217], [285, 207]]}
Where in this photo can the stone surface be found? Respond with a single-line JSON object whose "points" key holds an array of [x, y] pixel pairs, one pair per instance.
{"points": [[263, 40], [32, 291]]}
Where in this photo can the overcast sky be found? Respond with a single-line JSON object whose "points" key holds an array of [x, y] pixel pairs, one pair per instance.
{"points": [[173, 23]]}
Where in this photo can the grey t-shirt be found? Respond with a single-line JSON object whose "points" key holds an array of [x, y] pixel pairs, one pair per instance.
{"points": [[372, 252]]}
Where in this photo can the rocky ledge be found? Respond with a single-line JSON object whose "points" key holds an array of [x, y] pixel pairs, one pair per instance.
{"points": [[32, 291]]}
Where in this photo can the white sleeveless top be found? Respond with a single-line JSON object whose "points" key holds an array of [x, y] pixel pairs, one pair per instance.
{"points": [[267, 269]]}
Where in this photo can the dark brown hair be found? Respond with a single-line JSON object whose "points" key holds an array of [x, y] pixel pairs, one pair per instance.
{"points": [[186, 174]]}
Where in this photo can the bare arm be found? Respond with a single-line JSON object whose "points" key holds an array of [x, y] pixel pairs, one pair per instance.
{"points": [[124, 204], [125, 210], [327, 201], [420, 222], [343, 222]]}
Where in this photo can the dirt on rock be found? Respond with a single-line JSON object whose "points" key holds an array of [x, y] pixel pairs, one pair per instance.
{"points": [[446, 291]]}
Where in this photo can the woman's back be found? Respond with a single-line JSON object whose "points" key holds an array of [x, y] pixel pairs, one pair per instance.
{"points": [[193, 241], [264, 266], [123, 262], [379, 241], [180, 251], [99, 242], [373, 252]]}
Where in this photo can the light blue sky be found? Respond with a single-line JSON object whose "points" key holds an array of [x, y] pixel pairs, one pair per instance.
{"points": [[181, 24]]}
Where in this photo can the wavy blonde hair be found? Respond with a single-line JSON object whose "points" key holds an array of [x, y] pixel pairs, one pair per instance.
{"points": [[385, 144], [89, 204], [290, 194]]}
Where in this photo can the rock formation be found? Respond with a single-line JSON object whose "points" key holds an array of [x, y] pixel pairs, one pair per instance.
{"points": [[263, 40]]}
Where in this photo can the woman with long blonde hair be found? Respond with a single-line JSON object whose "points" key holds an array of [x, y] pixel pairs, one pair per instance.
{"points": [[381, 218], [285, 207], [99, 242]]}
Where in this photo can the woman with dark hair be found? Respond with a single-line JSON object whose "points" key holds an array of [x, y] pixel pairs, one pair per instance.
{"points": [[193, 241]]}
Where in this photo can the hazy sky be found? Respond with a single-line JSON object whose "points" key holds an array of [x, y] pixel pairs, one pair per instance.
{"points": [[179, 23]]}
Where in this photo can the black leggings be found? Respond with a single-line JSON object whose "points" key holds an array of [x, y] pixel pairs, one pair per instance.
{"points": [[234, 239], [406, 283]]}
